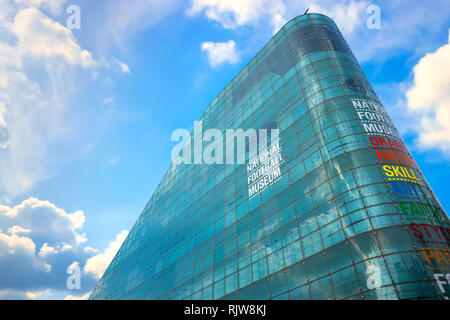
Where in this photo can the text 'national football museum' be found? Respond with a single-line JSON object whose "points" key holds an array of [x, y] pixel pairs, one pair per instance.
{"points": [[332, 207]]}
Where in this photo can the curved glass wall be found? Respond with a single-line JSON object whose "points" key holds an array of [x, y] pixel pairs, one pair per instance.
{"points": [[350, 216]]}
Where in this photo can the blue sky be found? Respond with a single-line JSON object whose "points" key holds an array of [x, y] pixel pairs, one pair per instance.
{"points": [[86, 115]]}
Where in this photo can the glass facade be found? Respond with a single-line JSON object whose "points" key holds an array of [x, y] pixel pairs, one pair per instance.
{"points": [[350, 215]]}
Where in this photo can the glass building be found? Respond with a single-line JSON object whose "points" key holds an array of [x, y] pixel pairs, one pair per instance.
{"points": [[348, 214]]}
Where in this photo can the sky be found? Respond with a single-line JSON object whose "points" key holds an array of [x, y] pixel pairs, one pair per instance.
{"points": [[90, 92]]}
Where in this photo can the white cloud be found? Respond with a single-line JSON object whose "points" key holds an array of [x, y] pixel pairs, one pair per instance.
{"points": [[231, 14], [20, 254], [236, 13], [221, 52], [403, 23], [37, 294], [347, 15], [17, 230], [41, 37], [41, 85], [98, 264], [122, 19], [36, 56], [4, 134], [8, 294], [83, 297], [66, 247], [2, 115], [116, 64], [44, 221], [53, 6], [43, 241], [123, 67], [429, 99], [90, 250], [47, 250]]}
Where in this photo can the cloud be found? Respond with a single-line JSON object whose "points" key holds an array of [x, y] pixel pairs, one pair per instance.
{"points": [[123, 67], [122, 19], [18, 230], [90, 250], [231, 14], [15, 295], [403, 23], [4, 134], [53, 6], [18, 254], [44, 222], [83, 297], [22, 295], [40, 246], [40, 37], [116, 64], [47, 250], [221, 52], [37, 55], [40, 242], [237, 13], [348, 15], [38, 294], [43, 69], [429, 99], [98, 264]]}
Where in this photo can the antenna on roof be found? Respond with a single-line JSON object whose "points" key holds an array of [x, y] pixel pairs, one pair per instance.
{"points": [[306, 11]]}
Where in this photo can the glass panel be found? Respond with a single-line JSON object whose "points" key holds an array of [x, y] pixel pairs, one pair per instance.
{"points": [[321, 289], [345, 283]]}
